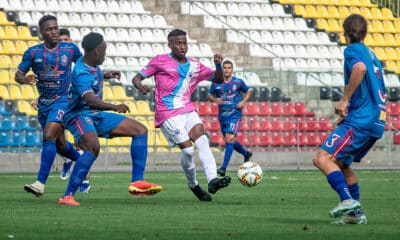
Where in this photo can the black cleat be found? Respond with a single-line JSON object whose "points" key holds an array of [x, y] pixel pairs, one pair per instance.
{"points": [[218, 183], [201, 194], [248, 156], [221, 172]]}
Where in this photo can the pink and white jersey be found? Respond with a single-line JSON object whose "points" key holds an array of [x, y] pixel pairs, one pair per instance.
{"points": [[175, 83]]}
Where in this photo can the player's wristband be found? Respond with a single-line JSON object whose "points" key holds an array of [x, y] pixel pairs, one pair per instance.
{"points": [[218, 66]]}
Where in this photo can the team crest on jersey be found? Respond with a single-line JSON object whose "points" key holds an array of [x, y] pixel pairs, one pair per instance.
{"points": [[88, 120], [234, 87], [64, 60]]}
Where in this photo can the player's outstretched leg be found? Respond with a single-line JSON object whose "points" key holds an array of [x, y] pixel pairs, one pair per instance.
{"points": [[344, 207], [201, 194], [218, 183]]}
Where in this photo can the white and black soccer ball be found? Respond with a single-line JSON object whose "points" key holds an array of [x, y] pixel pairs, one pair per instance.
{"points": [[250, 174]]}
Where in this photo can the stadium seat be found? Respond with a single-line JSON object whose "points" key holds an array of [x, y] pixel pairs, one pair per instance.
{"points": [[325, 124], [301, 110], [289, 124], [396, 138], [251, 109], [277, 124], [216, 138]]}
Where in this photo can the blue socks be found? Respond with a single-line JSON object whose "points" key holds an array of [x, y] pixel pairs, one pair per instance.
{"points": [[338, 183], [81, 169], [138, 156], [354, 191], [228, 154], [240, 149], [48, 155], [70, 152]]}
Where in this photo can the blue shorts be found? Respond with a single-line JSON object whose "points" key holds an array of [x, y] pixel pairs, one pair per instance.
{"points": [[52, 113], [348, 145], [231, 126], [86, 121]]}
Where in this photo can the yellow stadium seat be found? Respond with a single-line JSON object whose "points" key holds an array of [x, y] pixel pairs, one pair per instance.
{"points": [[322, 12], [160, 139], [151, 138], [119, 93], [8, 47], [4, 92], [25, 107], [2, 33], [398, 51], [20, 46], [299, 10], [322, 24], [132, 107], [391, 54], [107, 93], [333, 11], [125, 141], [389, 39], [333, 26], [342, 2], [4, 76], [11, 32], [24, 33], [28, 92], [343, 12], [68, 136], [310, 11], [162, 149], [4, 20], [342, 39], [380, 53], [150, 149], [377, 26], [353, 3], [391, 65], [113, 142], [123, 149], [376, 13], [11, 72], [369, 41], [378, 39], [5, 62], [366, 12], [367, 3], [397, 39], [15, 60], [175, 150], [15, 92], [31, 43], [143, 108], [388, 26], [387, 14], [396, 23], [354, 9]]}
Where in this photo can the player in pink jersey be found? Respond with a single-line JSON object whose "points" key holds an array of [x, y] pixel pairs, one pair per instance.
{"points": [[176, 77]]}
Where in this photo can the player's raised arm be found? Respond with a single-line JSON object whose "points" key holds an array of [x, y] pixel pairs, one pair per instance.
{"points": [[219, 76], [137, 82]]}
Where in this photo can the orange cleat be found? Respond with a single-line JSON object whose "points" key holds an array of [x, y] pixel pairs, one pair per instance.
{"points": [[68, 200], [143, 188]]}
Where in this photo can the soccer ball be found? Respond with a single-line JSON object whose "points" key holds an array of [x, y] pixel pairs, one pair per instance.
{"points": [[250, 174]]}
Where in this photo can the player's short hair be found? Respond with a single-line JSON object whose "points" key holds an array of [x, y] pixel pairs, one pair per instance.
{"points": [[64, 31], [355, 27], [91, 41], [175, 33], [227, 62], [46, 18]]}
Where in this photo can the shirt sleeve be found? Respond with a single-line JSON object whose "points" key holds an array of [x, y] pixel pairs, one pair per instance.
{"points": [[244, 86], [211, 91], [205, 72], [83, 82], [77, 53], [150, 69], [26, 61]]}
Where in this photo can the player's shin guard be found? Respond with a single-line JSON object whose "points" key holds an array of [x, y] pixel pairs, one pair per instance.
{"points": [[81, 169], [48, 155], [189, 166], [206, 157], [138, 156]]}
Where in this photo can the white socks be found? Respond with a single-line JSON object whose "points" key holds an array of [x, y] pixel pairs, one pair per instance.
{"points": [[188, 166], [206, 158]]}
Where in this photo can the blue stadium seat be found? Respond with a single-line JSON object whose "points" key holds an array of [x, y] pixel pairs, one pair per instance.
{"points": [[6, 123], [17, 139], [33, 139], [5, 138]]}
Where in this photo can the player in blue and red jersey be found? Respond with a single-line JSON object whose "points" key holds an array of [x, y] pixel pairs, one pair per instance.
{"points": [[88, 120], [362, 111], [230, 104], [51, 64]]}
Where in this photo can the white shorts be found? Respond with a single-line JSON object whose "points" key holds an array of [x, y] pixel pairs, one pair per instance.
{"points": [[176, 129]]}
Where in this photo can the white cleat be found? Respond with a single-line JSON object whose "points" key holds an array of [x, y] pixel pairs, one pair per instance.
{"points": [[36, 188], [344, 207], [350, 219]]}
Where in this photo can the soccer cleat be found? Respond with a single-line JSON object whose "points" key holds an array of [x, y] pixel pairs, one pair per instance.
{"points": [[344, 207], [248, 156], [36, 188], [218, 183], [144, 188], [68, 200], [201, 194], [352, 219], [65, 170], [85, 187], [221, 172]]}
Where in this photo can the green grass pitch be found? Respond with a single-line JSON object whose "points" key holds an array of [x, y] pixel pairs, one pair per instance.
{"points": [[286, 205]]}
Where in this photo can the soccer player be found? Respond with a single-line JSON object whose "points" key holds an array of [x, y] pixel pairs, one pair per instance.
{"points": [[362, 112], [230, 104], [65, 36], [88, 120], [51, 64], [176, 77]]}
